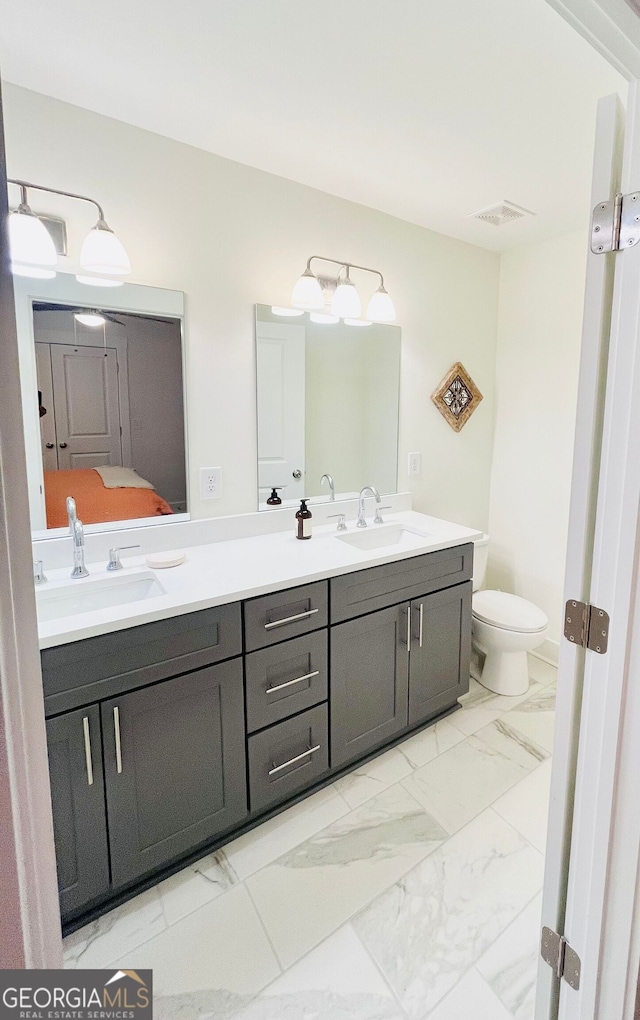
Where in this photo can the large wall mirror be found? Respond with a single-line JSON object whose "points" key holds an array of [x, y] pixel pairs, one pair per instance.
{"points": [[328, 401], [103, 398]]}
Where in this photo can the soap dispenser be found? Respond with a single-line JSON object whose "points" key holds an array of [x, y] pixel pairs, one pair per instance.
{"points": [[274, 498], [303, 521]]}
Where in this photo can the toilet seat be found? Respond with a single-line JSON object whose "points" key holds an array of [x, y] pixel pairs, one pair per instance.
{"points": [[508, 612]]}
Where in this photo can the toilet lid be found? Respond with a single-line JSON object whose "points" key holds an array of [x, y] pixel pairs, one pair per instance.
{"points": [[501, 609]]}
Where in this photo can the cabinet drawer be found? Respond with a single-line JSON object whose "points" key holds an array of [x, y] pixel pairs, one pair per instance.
{"points": [[286, 679], [272, 618], [102, 667], [378, 587], [288, 757]]}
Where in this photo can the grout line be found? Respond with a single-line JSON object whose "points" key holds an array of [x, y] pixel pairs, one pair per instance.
{"points": [[279, 962], [378, 967]]}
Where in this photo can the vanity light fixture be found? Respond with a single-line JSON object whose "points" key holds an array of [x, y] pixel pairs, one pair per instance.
{"points": [[345, 303], [101, 253], [92, 319], [324, 318], [286, 312]]}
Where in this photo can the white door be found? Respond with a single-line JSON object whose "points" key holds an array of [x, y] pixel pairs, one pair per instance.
{"points": [[85, 393], [47, 413], [281, 409], [590, 878]]}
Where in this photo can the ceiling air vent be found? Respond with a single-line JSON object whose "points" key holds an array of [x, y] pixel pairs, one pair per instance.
{"points": [[501, 213]]}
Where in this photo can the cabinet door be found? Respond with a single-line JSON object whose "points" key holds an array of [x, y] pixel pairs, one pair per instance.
{"points": [[79, 818], [440, 651], [175, 767], [369, 678]]}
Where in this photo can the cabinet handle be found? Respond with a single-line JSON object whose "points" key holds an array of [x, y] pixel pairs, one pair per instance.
{"points": [[290, 619], [408, 626], [421, 625], [289, 683], [87, 750], [116, 727], [292, 761]]}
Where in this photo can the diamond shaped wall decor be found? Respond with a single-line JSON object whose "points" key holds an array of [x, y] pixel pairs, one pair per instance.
{"points": [[457, 396]]}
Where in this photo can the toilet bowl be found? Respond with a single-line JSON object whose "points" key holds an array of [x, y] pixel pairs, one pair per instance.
{"points": [[504, 628]]}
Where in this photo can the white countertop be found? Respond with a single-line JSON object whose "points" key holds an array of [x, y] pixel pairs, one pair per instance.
{"points": [[228, 571]]}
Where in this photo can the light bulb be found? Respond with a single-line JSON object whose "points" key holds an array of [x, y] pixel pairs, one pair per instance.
{"points": [[103, 253], [307, 292], [346, 301], [99, 281], [33, 252], [288, 312], [92, 319], [380, 308], [357, 322], [323, 317]]}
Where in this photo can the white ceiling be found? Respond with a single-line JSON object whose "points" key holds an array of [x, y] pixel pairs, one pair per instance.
{"points": [[426, 109]]}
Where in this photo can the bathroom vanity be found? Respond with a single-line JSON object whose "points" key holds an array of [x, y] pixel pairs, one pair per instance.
{"points": [[168, 738]]}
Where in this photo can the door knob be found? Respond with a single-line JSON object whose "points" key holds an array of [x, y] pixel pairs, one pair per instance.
{"points": [[297, 473], [63, 446], [50, 446]]}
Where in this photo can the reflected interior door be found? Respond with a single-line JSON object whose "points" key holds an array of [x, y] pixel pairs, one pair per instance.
{"points": [[47, 421], [281, 409], [87, 407]]}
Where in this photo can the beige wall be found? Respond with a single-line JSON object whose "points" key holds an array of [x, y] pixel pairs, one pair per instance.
{"points": [[230, 236], [539, 334]]}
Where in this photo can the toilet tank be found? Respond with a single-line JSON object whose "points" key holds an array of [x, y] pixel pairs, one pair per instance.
{"points": [[480, 558]]}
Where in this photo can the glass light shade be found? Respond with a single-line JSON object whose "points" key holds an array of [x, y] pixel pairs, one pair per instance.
{"points": [[33, 252], [346, 301], [287, 312], [103, 253], [307, 292], [357, 322], [380, 308], [92, 319], [323, 318], [99, 281]]}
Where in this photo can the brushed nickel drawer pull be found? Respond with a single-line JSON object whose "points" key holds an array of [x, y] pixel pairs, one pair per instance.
{"points": [[421, 625], [87, 750], [292, 761], [408, 626], [116, 726], [289, 683], [290, 619]]}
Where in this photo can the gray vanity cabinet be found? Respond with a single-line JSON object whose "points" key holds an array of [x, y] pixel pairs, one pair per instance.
{"points": [[440, 651], [79, 821], [369, 682], [174, 767]]}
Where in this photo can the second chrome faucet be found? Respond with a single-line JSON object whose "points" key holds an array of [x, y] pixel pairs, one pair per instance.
{"points": [[77, 537]]}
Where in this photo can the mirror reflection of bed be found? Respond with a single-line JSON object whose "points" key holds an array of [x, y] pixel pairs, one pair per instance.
{"points": [[110, 393]]}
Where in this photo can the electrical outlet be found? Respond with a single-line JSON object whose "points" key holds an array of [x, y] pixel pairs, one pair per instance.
{"points": [[415, 464], [210, 483]]}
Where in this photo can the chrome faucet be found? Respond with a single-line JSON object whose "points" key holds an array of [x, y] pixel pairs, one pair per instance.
{"points": [[332, 488], [371, 490], [77, 537], [72, 513]]}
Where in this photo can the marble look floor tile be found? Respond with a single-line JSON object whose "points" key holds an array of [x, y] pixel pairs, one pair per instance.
{"points": [[209, 964], [429, 743], [268, 841], [374, 777], [510, 965], [462, 782], [506, 703], [544, 672], [196, 885], [526, 806], [337, 980], [535, 718], [471, 999], [431, 927], [122, 930], [312, 890], [478, 708]]}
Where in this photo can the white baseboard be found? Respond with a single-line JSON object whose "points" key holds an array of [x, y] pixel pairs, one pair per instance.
{"points": [[548, 651]]}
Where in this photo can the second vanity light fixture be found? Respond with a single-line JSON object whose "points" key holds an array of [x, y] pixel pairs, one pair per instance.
{"points": [[33, 252], [346, 303]]}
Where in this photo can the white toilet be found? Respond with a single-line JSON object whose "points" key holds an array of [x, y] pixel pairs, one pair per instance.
{"points": [[504, 628]]}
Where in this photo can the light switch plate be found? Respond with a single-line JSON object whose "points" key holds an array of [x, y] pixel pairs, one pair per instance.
{"points": [[414, 466], [210, 483]]}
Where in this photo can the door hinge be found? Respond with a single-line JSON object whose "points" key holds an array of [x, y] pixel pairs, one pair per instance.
{"points": [[563, 960], [586, 626], [615, 224]]}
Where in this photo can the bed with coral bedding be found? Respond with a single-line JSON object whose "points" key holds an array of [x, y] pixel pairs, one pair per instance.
{"points": [[95, 502]]}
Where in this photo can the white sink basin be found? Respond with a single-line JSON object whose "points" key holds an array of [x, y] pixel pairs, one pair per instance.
{"points": [[382, 536], [87, 596]]}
